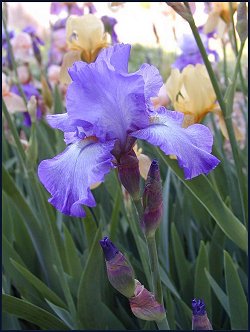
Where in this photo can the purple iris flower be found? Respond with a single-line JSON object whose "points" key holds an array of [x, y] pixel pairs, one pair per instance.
{"points": [[59, 24], [109, 24], [29, 90], [107, 110], [57, 49], [36, 42], [91, 7], [71, 8], [190, 52]]}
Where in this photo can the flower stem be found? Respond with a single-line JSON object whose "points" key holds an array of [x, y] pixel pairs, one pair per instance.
{"points": [[157, 289], [225, 63], [235, 48], [154, 267], [224, 109]]}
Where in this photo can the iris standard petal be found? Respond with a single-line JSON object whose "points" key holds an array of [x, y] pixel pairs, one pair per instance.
{"points": [[191, 145], [116, 56], [69, 175], [153, 82], [112, 102], [61, 122]]}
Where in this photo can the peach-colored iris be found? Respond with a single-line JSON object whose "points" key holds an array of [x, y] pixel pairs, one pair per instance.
{"points": [[23, 74], [22, 47], [53, 74], [14, 103]]}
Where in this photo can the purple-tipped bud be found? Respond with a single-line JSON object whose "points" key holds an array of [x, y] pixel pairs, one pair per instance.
{"points": [[120, 272], [152, 200], [129, 174], [144, 305], [200, 320], [109, 249]]}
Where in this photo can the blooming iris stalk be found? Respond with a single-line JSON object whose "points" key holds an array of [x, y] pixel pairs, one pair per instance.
{"points": [[107, 110]]}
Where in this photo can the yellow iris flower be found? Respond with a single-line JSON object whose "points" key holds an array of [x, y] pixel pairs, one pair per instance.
{"points": [[191, 92], [219, 18], [85, 38]]}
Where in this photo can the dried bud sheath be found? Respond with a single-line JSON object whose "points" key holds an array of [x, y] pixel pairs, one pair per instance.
{"points": [[144, 305]]}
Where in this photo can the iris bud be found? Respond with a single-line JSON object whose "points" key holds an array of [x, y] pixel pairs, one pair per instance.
{"points": [[200, 320], [120, 272], [144, 305], [152, 200], [129, 173], [180, 9], [242, 22], [46, 93]]}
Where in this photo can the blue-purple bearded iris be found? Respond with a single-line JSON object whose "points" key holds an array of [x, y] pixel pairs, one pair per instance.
{"points": [[107, 110], [190, 53]]}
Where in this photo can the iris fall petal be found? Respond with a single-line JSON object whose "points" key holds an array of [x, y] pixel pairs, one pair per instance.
{"points": [[191, 145], [69, 175]]}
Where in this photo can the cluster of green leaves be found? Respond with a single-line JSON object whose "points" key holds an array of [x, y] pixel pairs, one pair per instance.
{"points": [[54, 274], [53, 268]]}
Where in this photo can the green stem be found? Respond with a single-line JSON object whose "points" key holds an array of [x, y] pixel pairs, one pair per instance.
{"points": [[225, 63], [208, 66], [154, 266], [156, 280], [154, 263], [234, 45], [224, 109], [139, 208]]}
